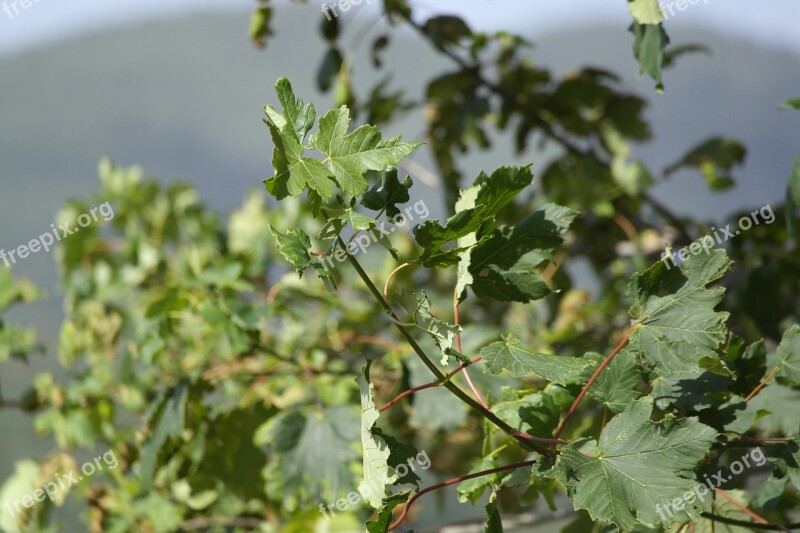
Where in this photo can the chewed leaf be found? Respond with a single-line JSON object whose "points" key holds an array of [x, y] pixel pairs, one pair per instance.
{"points": [[509, 356], [377, 473], [418, 309]]}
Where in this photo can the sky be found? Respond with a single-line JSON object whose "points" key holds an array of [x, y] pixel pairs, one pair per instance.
{"points": [[775, 23]]}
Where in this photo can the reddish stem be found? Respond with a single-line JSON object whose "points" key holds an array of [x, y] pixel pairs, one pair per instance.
{"points": [[428, 385], [762, 384], [453, 481], [741, 507], [591, 381], [389, 279], [457, 319]]}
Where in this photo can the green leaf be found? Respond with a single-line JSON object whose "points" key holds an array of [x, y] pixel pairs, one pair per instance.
{"points": [[297, 118], [25, 479], [768, 408], [793, 103], [295, 247], [160, 512], [329, 69], [536, 414], [293, 172], [230, 454], [387, 193], [616, 385], [384, 520], [487, 198], [789, 355], [301, 470], [399, 453], [494, 523], [446, 30], [507, 355], [677, 327], [418, 309], [785, 460], [635, 466], [167, 422], [646, 11], [15, 290], [722, 507], [16, 342], [502, 265], [472, 489], [377, 472], [260, 27], [649, 43], [350, 156], [715, 158]]}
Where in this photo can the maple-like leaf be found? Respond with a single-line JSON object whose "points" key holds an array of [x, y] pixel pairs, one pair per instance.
{"points": [[678, 331], [350, 156], [636, 467]]}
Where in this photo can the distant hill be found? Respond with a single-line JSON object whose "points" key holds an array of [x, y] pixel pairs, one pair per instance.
{"points": [[183, 98]]}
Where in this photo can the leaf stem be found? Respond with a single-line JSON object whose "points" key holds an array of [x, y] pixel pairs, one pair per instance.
{"points": [[762, 384], [741, 507], [391, 277], [457, 320], [591, 381], [453, 481]]}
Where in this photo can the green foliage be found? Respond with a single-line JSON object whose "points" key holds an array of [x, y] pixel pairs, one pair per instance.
{"points": [[233, 391]]}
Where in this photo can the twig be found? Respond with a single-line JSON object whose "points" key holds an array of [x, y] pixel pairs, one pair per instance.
{"points": [[751, 525], [591, 381], [453, 481], [742, 508], [205, 523], [429, 385], [761, 385], [391, 276], [457, 319]]}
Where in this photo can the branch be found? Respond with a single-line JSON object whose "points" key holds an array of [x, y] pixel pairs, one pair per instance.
{"points": [[453, 481], [761, 385], [751, 525], [591, 381], [205, 523], [466, 398], [430, 385]]}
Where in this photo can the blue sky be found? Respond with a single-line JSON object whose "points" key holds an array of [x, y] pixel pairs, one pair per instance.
{"points": [[775, 23]]}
